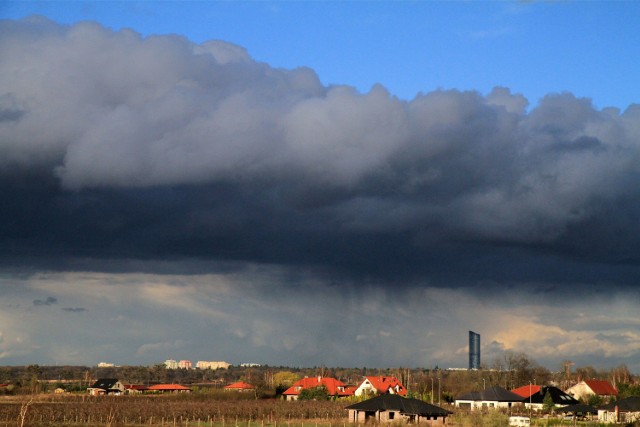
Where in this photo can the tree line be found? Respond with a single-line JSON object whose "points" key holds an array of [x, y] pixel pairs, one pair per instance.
{"points": [[510, 371]]}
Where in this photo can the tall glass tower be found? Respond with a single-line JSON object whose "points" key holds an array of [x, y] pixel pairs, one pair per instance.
{"points": [[474, 350]]}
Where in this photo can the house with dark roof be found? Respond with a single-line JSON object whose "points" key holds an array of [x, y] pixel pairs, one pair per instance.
{"points": [[587, 388], [389, 408], [621, 411], [334, 387], [380, 385], [494, 397], [534, 396], [106, 386]]}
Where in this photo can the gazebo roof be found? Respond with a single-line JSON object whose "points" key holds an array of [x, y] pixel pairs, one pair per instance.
{"points": [[579, 408]]}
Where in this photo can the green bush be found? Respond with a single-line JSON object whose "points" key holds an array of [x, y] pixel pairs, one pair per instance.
{"points": [[315, 393]]}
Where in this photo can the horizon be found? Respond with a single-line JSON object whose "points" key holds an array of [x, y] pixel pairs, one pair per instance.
{"points": [[321, 367], [319, 182]]}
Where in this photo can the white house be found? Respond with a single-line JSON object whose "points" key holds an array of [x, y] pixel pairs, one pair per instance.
{"points": [[587, 388], [380, 385], [494, 397], [106, 386]]}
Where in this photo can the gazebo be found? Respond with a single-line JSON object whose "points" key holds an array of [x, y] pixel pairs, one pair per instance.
{"points": [[579, 410]]}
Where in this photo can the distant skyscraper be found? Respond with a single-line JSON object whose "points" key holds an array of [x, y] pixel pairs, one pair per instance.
{"points": [[474, 350]]}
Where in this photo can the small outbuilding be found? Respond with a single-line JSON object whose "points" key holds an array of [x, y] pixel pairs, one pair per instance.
{"points": [[240, 386], [389, 408], [135, 388], [168, 388]]}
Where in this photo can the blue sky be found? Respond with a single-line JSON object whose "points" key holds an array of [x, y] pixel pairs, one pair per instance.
{"points": [[534, 48], [319, 183]]}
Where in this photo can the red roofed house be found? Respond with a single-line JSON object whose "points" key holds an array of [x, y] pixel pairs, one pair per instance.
{"points": [[534, 396], [334, 387], [526, 390], [587, 388], [135, 388], [240, 386], [169, 388], [380, 385]]}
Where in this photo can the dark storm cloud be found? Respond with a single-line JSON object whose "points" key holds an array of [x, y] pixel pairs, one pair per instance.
{"points": [[48, 301], [115, 146], [74, 309]]}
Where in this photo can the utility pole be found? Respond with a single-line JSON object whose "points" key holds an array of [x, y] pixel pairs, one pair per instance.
{"points": [[432, 390], [567, 372], [529, 401]]}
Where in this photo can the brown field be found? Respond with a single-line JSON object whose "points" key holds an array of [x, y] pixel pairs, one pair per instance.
{"points": [[169, 410], [200, 410]]}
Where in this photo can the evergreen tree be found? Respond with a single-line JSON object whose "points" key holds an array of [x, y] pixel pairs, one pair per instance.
{"points": [[547, 402]]}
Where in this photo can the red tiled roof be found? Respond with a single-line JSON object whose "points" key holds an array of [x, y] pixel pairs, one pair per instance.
{"points": [[135, 387], [350, 390], [382, 384], [334, 387], [168, 387], [602, 388], [240, 385], [526, 390]]}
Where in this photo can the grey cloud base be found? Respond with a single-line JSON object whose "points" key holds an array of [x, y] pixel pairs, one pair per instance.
{"points": [[118, 147]]}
